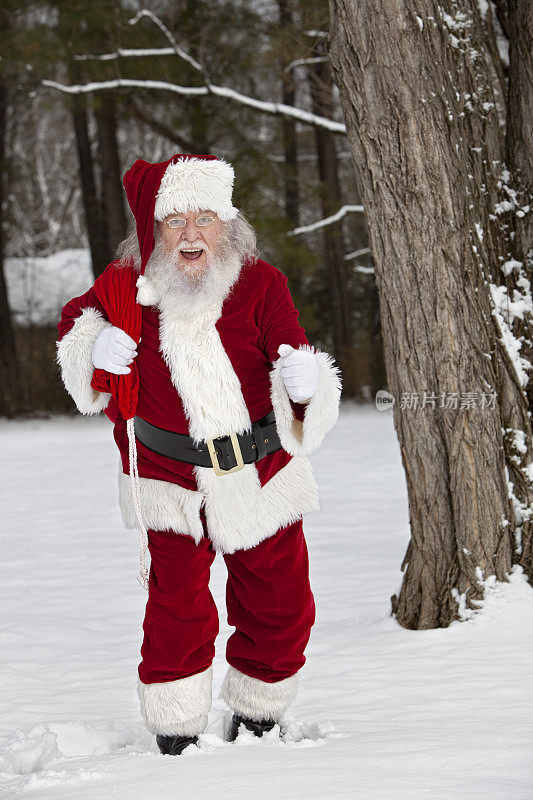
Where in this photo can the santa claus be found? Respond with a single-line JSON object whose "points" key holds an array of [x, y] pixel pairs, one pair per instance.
{"points": [[229, 399]]}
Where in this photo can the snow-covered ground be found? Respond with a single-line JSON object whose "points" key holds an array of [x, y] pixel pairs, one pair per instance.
{"points": [[39, 287], [383, 713]]}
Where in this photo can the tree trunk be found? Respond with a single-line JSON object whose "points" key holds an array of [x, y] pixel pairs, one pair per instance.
{"points": [[97, 230], [519, 158], [520, 105], [290, 139], [112, 192], [321, 88], [377, 364], [9, 364], [419, 107], [140, 113], [519, 151]]}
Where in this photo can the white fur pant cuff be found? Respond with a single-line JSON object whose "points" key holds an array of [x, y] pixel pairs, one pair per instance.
{"points": [[177, 707], [256, 699]]}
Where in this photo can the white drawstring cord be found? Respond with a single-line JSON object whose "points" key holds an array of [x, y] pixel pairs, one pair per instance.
{"points": [[135, 490]]}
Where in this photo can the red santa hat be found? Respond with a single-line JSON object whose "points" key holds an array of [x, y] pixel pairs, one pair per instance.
{"points": [[182, 183]]}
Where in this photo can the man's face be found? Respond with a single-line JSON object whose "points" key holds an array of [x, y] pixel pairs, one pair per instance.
{"points": [[192, 243]]}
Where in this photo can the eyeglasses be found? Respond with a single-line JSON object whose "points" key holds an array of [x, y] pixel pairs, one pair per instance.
{"points": [[180, 222]]}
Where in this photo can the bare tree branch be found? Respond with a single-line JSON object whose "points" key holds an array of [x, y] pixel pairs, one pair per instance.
{"points": [[218, 91], [356, 253], [121, 52], [163, 28], [208, 88], [159, 127], [326, 221], [302, 61]]}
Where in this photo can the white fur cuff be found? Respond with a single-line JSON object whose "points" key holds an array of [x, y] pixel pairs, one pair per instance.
{"points": [[321, 413], [177, 707], [74, 357], [256, 699]]}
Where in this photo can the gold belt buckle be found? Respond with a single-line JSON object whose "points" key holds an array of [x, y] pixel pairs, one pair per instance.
{"points": [[214, 458]]}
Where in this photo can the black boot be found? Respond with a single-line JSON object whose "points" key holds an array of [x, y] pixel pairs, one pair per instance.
{"points": [[258, 728], [174, 745]]}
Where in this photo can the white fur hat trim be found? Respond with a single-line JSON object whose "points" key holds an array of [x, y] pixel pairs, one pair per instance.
{"points": [[195, 184]]}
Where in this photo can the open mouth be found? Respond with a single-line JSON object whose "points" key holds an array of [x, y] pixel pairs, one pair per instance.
{"points": [[191, 254]]}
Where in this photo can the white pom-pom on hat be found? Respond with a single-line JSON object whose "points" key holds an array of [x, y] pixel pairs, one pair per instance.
{"points": [[194, 184]]}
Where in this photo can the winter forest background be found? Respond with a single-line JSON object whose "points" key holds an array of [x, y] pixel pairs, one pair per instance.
{"points": [[383, 150], [293, 167], [386, 162]]}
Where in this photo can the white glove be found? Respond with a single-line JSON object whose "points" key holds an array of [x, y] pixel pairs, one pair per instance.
{"points": [[299, 370], [113, 350]]}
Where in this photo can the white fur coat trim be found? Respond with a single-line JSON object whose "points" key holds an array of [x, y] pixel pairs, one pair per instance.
{"points": [[201, 371], [289, 494], [165, 506], [321, 413], [177, 707], [74, 358], [239, 512], [256, 699]]}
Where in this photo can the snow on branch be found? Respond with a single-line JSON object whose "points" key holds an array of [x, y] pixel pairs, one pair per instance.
{"points": [[208, 87], [219, 91], [163, 28], [302, 61], [359, 267], [327, 221], [117, 83], [356, 253], [279, 108], [122, 52]]}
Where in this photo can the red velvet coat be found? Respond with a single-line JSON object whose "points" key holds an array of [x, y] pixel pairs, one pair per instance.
{"points": [[257, 317]]}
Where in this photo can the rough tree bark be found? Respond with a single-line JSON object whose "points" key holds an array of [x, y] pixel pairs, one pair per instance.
{"points": [[520, 106], [519, 158], [519, 151], [416, 92]]}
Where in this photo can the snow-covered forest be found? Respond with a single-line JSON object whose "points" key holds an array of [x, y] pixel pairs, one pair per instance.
{"points": [[383, 154], [251, 82]]}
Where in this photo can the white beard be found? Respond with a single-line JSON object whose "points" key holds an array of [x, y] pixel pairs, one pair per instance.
{"points": [[182, 288]]}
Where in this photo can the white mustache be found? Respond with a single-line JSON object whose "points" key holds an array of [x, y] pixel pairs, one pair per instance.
{"points": [[192, 246]]}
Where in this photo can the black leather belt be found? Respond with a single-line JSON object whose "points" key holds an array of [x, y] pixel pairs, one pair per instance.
{"points": [[225, 454]]}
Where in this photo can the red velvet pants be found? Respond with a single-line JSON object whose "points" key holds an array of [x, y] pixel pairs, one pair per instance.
{"points": [[268, 600]]}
